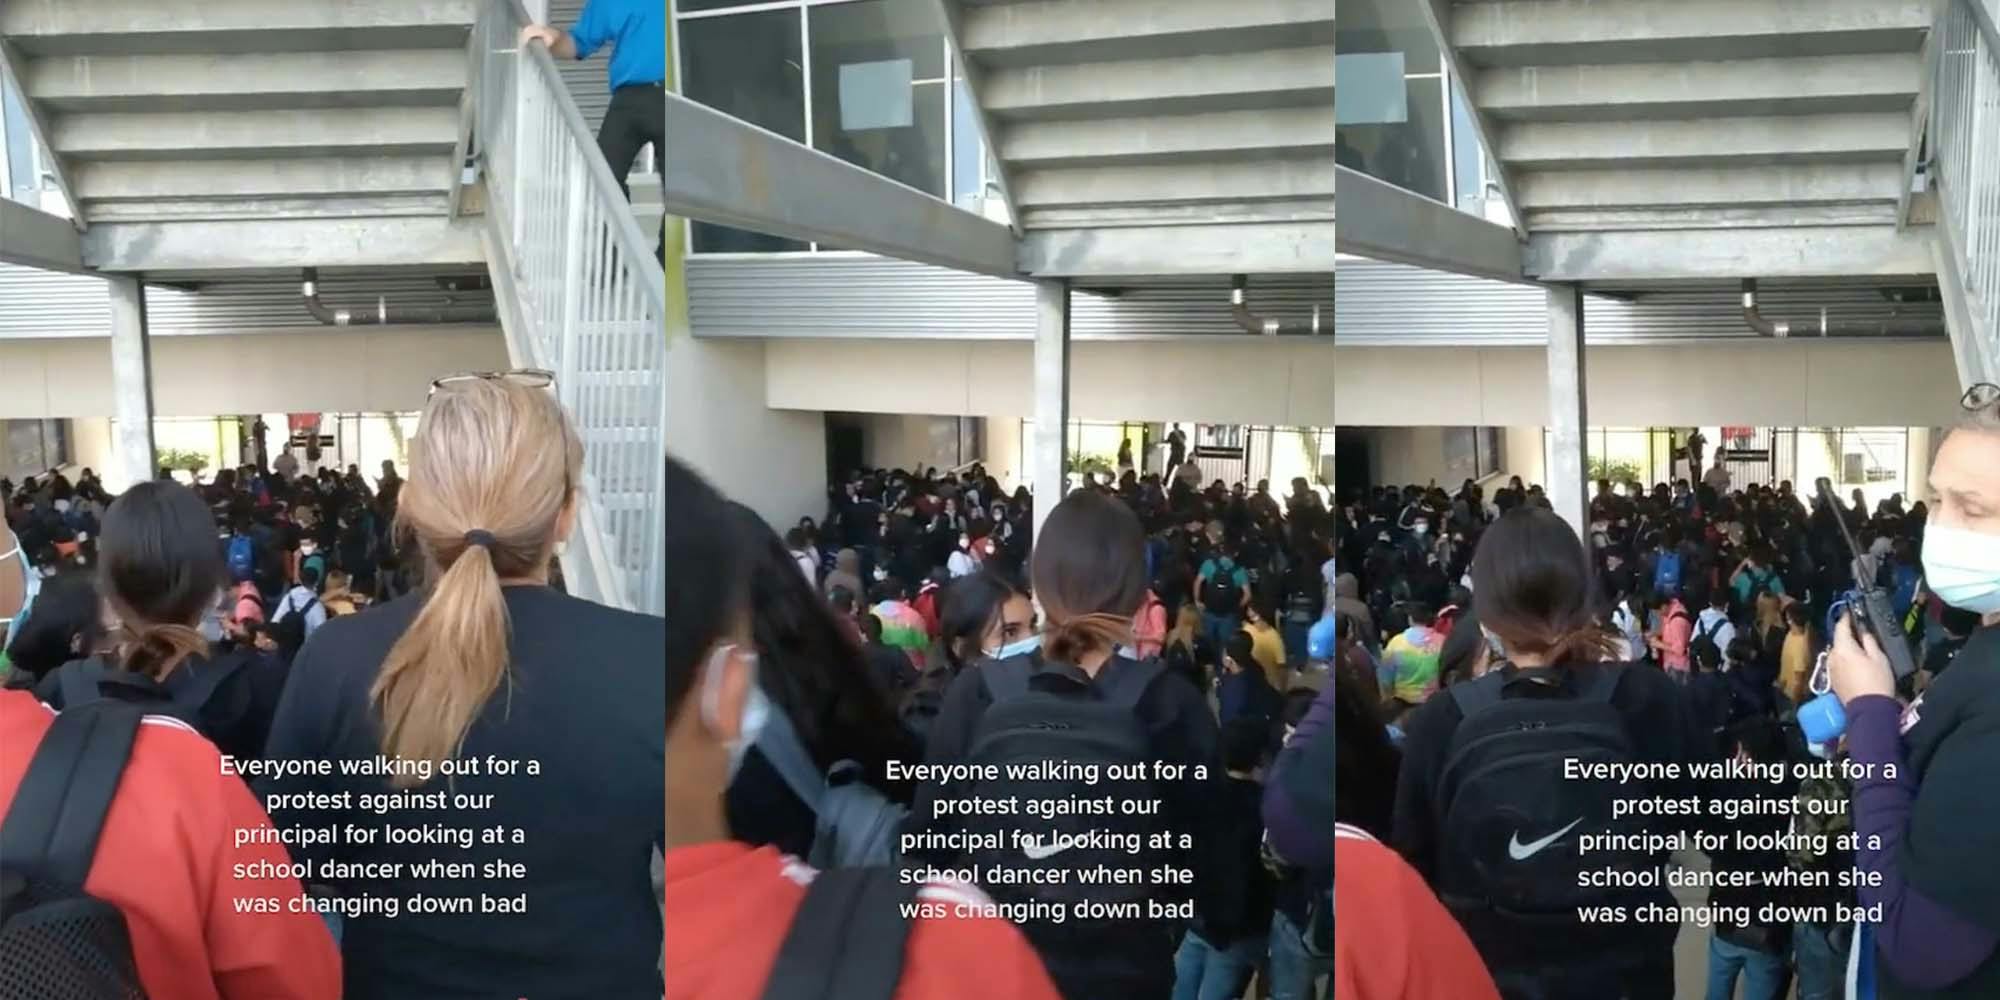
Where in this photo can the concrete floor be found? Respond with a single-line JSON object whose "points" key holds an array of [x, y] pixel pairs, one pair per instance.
{"points": [[1691, 948]]}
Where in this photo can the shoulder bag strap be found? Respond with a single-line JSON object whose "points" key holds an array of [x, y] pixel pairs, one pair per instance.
{"points": [[58, 812], [847, 940]]}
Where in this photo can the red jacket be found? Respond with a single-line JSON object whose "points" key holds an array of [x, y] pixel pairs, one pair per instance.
{"points": [[728, 906], [1394, 940], [167, 858]]}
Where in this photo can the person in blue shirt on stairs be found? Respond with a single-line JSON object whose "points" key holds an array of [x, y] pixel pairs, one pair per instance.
{"points": [[637, 33]]}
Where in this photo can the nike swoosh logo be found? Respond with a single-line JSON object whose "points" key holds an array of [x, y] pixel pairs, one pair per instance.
{"points": [[1522, 852], [1036, 850]]}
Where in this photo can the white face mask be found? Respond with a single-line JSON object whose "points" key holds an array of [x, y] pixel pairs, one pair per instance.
{"points": [[756, 708], [1963, 568], [31, 585], [1421, 528]]}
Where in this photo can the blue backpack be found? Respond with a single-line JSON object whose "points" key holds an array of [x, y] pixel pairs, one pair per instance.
{"points": [[1667, 573], [242, 556]]}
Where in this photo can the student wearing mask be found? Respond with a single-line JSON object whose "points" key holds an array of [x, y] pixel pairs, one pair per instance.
{"points": [[818, 675], [732, 904], [159, 574], [1505, 806], [489, 663], [1088, 570], [1929, 830]]}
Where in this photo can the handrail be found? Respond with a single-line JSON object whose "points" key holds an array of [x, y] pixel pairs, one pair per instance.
{"points": [[585, 298], [1965, 141]]}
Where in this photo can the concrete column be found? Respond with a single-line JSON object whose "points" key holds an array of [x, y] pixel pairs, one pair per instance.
{"points": [[132, 380], [1051, 396], [1568, 420]]}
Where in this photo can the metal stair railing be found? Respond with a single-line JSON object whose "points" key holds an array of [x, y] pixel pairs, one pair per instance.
{"points": [[1965, 149], [581, 294]]}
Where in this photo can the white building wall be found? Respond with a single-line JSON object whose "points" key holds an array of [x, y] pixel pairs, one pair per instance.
{"points": [[1802, 382], [335, 371], [770, 460], [1241, 380]]}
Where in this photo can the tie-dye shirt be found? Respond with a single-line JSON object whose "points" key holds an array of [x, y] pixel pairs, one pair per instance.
{"points": [[1410, 664], [903, 628]]}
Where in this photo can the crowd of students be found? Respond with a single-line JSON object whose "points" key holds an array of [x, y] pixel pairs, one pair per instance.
{"points": [[1489, 653], [172, 746], [816, 676]]}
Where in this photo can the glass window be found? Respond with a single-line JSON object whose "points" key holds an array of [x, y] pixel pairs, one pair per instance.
{"points": [[1470, 453], [1467, 157], [968, 153], [1404, 144], [749, 66], [17, 145], [879, 89]]}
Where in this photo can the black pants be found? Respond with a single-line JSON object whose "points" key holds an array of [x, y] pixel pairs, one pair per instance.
{"points": [[637, 118]]}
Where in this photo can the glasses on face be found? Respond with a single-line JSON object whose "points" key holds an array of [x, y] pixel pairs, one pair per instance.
{"points": [[1980, 396], [533, 378]]}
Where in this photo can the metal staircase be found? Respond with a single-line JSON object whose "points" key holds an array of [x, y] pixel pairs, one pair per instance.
{"points": [[1963, 143], [255, 136], [1117, 114], [581, 294]]}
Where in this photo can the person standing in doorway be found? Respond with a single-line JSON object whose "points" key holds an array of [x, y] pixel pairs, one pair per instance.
{"points": [[637, 33], [1176, 447], [1697, 444]]}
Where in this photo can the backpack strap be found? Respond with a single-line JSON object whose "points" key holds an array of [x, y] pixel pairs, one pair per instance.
{"points": [[1122, 681], [204, 679], [847, 939], [1007, 679], [1598, 682], [58, 813], [1478, 694], [779, 742]]}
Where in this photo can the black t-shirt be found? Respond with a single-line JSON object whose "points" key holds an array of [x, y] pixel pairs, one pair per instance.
{"points": [[584, 700], [1953, 837], [236, 717]]}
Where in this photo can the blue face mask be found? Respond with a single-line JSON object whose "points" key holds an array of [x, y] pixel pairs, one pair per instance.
{"points": [[1019, 646]]}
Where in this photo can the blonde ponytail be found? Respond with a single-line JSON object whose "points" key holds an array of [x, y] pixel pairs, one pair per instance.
{"points": [[452, 658], [493, 468], [154, 650]]}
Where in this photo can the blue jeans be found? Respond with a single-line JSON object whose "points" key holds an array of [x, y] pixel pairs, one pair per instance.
{"points": [[1204, 972], [1217, 629], [1293, 971], [1822, 968], [1297, 638], [1763, 972]]}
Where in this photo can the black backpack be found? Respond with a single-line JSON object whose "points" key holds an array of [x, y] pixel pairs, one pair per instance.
{"points": [[1704, 638], [1510, 818], [1221, 595], [847, 938], [289, 632], [56, 941], [1068, 719], [86, 682]]}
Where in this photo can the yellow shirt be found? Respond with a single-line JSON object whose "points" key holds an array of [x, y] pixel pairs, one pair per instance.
{"points": [[1267, 647]]}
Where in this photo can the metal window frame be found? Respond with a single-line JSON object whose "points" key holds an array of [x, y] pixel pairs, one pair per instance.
{"points": [[38, 129]]}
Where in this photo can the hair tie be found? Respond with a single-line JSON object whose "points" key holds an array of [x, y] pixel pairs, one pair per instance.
{"points": [[480, 537]]}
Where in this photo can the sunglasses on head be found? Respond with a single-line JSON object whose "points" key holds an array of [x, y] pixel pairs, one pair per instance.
{"points": [[533, 378]]}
